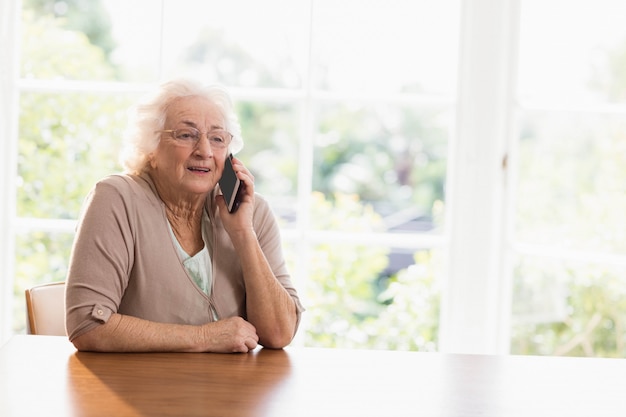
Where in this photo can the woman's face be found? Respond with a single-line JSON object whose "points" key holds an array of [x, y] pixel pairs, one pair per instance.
{"points": [[189, 167]]}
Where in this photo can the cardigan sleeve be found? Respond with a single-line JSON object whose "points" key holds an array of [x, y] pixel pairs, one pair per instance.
{"points": [[268, 234], [101, 259]]}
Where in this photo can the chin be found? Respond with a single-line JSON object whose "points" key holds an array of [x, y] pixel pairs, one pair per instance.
{"points": [[204, 188]]}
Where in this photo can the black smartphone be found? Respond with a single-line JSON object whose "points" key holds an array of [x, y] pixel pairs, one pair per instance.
{"points": [[230, 185]]}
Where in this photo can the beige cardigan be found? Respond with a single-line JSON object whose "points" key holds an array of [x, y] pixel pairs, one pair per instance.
{"points": [[123, 260]]}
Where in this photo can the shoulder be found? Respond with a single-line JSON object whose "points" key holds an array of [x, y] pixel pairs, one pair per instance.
{"points": [[122, 182], [120, 201], [264, 219], [262, 208], [120, 193], [261, 203], [139, 188]]}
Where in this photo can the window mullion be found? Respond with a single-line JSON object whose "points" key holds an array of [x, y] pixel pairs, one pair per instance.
{"points": [[473, 310]]}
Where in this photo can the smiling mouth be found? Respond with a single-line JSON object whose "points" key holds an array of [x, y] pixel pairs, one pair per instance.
{"points": [[198, 169]]}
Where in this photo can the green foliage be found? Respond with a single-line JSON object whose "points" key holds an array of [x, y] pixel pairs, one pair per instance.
{"points": [[80, 16], [610, 77], [345, 306], [593, 322], [221, 60], [341, 288], [572, 198], [410, 319], [271, 147], [393, 157], [67, 140], [573, 168], [50, 51]]}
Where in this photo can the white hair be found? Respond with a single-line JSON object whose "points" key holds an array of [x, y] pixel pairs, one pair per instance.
{"points": [[148, 117]]}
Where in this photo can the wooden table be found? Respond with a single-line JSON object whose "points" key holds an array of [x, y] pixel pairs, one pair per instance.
{"points": [[46, 376]]}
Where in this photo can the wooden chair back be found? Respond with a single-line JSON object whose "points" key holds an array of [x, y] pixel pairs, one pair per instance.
{"points": [[45, 308]]}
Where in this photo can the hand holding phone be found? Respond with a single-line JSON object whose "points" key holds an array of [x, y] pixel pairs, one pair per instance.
{"points": [[230, 185]]}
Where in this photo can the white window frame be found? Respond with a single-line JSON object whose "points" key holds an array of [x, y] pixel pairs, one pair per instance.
{"points": [[476, 312], [9, 71]]}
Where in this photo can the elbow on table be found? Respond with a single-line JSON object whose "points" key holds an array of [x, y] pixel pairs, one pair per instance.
{"points": [[277, 340], [81, 344], [86, 342]]}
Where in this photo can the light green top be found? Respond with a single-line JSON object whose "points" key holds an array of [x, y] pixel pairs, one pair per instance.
{"points": [[199, 265]]}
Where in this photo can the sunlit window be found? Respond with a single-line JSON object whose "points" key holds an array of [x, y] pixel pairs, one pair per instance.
{"points": [[352, 114], [570, 232], [347, 133]]}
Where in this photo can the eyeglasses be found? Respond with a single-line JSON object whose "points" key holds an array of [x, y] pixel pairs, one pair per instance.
{"points": [[190, 136]]}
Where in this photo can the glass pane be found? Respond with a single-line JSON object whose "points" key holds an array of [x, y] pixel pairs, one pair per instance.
{"points": [[270, 151], [136, 33], [385, 46], [67, 142], [237, 43], [61, 40], [569, 308], [393, 157], [573, 50], [569, 201], [360, 307], [41, 257], [571, 181]]}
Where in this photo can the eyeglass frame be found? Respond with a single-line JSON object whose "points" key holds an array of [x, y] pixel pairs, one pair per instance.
{"points": [[194, 142]]}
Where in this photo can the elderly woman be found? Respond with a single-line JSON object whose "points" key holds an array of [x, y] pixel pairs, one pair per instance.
{"points": [[158, 262]]}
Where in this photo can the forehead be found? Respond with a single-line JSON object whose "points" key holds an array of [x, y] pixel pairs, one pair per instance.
{"points": [[195, 109]]}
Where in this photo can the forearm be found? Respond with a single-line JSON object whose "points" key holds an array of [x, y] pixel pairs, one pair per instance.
{"points": [[269, 306], [123, 333], [130, 334]]}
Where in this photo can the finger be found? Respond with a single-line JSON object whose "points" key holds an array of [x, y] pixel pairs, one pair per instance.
{"points": [[251, 344], [246, 172], [241, 349], [240, 168], [220, 201]]}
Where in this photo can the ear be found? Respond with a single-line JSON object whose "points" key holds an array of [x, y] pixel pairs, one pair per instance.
{"points": [[151, 160]]}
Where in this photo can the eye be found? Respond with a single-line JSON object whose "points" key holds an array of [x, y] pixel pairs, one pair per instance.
{"points": [[186, 134], [217, 138]]}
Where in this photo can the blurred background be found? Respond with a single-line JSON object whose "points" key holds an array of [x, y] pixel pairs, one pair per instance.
{"points": [[447, 175]]}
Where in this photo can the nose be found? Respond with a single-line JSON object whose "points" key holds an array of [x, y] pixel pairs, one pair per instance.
{"points": [[203, 146]]}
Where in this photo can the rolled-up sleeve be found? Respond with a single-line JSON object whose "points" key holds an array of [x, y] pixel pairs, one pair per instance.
{"points": [[100, 262]]}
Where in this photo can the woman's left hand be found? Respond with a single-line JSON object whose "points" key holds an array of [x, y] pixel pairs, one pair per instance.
{"points": [[241, 219]]}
